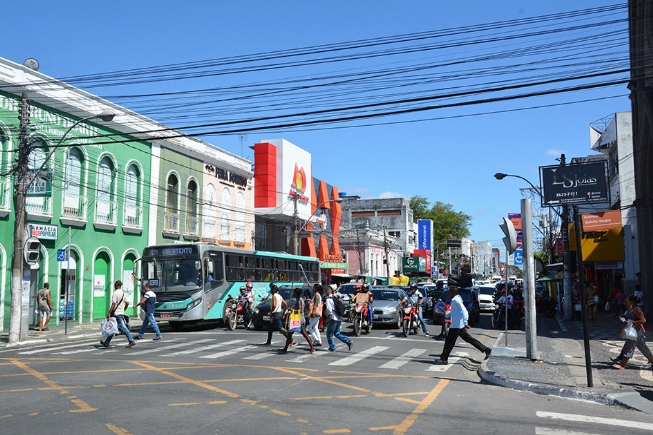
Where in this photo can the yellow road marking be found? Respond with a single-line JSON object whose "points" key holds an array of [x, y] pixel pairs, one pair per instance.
{"points": [[336, 431], [217, 402], [117, 430], [186, 404], [188, 380], [6, 416], [33, 414], [354, 396], [282, 413], [250, 401], [403, 399], [301, 420], [403, 427]]}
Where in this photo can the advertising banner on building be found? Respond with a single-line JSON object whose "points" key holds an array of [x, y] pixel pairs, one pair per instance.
{"points": [[43, 232], [583, 183], [425, 234], [602, 221]]}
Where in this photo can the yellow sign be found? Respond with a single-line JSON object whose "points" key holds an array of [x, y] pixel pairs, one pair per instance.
{"points": [[599, 245]]}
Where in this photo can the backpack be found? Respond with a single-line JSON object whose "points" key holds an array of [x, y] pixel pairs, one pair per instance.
{"points": [[338, 306]]}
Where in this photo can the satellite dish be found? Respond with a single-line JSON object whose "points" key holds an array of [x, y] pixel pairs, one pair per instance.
{"points": [[32, 63]]}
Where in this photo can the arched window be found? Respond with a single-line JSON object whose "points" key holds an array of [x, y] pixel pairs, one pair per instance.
{"points": [[210, 212], [5, 198], [225, 215], [171, 223], [191, 209], [73, 187], [132, 202], [240, 217], [38, 204], [105, 191]]}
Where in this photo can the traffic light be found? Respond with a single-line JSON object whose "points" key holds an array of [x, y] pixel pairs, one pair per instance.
{"points": [[510, 241], [32, 251]]}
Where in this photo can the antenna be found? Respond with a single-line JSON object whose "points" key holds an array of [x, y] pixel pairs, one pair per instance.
{"points": [[243, 137]]}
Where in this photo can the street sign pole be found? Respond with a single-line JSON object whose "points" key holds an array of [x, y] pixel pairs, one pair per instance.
{"points": [[528, 262]]}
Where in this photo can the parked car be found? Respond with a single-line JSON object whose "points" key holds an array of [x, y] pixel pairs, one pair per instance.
{"points": [[387, 306], [470, 299], [486, 297], [431, 295], [261, 314]]}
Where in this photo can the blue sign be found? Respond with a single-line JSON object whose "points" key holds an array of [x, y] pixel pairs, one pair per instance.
{"points": [[518, 258], [424, 234], [61, 255]]}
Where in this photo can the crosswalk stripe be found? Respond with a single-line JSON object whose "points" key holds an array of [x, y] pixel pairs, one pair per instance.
{"points": [[42, 350], [229, 352], [306, 356], [70, 352], [359, 356], [403, 359], [443, 368], [202, 348], [599, 420], [259, 356], [549, 431], [173, 346]]}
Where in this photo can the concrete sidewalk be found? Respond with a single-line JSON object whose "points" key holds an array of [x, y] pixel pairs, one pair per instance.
{"points": [[561, 370], [60, 333]]}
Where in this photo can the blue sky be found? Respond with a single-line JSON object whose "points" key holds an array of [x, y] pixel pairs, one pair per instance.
{"points": [[450, 158]]}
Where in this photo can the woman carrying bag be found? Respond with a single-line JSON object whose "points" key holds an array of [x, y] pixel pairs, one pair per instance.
{"points": [[636, 316]]}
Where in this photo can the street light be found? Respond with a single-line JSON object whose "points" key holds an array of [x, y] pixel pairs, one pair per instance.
{"points": [[501, 176], [297, 228], [15, 330]]}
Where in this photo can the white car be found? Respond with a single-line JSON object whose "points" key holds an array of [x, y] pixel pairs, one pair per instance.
{"points": [[486, 297]]}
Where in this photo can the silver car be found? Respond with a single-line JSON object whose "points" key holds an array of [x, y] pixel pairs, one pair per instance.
{"points": [[486, 297], [387, 306]]}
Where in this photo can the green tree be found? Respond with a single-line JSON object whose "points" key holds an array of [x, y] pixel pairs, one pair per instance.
{"points": [[448, 224]]}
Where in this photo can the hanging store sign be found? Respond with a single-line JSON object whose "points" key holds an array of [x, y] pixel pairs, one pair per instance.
{"points": [[602, 221], [583, 183], [41, 185], [43, 232]]}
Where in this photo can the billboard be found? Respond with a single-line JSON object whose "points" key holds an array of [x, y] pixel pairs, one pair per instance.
{"points": [[602, 221], [424, 234], [583, 183]]}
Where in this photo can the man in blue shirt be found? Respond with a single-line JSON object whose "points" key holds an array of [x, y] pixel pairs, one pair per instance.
{"points": [[459, 326], [149, 298]]}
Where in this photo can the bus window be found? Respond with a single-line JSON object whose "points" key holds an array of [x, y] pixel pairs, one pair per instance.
{"points": [[267, 270], [252, 269], [295, 273], [282, 270], [234, 268]]}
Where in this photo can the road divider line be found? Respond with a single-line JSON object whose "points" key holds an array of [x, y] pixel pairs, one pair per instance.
{"points": [[598, 420]]}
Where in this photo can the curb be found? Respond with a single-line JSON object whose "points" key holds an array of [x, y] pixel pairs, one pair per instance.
{"points": [[47, 340]]}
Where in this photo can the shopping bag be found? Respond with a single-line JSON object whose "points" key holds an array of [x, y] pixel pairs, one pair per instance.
{"points": [[630, 333], [295, 321], [109, 326], [607, 306]]}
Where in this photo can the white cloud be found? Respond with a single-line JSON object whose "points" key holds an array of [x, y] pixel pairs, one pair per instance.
{"points": [[391, 195], [555, 152]]}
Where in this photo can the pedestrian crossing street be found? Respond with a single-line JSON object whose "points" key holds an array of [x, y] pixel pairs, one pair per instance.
{"points": [[243, 349]]}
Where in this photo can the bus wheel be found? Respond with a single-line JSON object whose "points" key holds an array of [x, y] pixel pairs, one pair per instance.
{"points": [[176, 326]]}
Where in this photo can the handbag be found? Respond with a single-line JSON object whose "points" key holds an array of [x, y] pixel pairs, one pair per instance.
{"points": [[630, 333], [109, 326], [607, 306], [295, 321]]}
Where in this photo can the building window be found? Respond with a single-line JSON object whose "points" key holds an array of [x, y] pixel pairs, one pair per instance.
{"points": [[105, 205], [133, 210], [171, 215], [192, 227], [225, 215], [209, 212], [240, 217], [38, 204]]}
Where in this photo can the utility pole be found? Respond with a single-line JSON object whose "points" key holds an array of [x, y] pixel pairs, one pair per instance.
{"points": [[566, 257], [580, 269], [18, 260], [641, 70], [529, 280], [295, 226], [385, 247], [358, 249]]}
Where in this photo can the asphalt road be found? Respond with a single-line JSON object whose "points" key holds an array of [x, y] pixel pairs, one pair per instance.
{"points": [[208, 380]]}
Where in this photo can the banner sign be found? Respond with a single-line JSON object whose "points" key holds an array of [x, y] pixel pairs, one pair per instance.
{"points": [[602, 221], [424, 233], [43, 232], [583, 183]]}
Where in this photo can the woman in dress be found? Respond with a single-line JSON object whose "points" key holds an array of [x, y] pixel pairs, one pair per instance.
{"points": [[634, 313]]}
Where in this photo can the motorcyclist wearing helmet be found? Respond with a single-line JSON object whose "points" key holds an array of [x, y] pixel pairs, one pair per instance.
{"points": [[364, 296], [508, 302], [416, 298], [246, 299]]}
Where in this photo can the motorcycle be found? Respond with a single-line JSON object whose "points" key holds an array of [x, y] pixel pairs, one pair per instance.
{"points": [[498, 319], [361, 319], [445, 311], [410, 319], [235, 315]]}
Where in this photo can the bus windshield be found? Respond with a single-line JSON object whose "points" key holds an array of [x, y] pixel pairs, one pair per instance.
{"points": [[173, 274]]}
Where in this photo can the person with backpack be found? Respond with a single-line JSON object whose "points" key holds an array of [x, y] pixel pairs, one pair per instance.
{"points": [[299, 306], [335, 309], [315, 314]]}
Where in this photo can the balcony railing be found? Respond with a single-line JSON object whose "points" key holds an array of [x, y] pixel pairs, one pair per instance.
{"points": [[39, 206], [192, 226], [209, 229], [133, 216], [106, 213], [171, 222], [74, 207]]}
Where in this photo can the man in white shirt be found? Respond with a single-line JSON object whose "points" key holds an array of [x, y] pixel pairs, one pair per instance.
{"points": [[277, 306], [118, 304]]}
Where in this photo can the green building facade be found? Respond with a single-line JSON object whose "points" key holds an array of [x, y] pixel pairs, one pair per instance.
{"points": [[108, 187]]}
